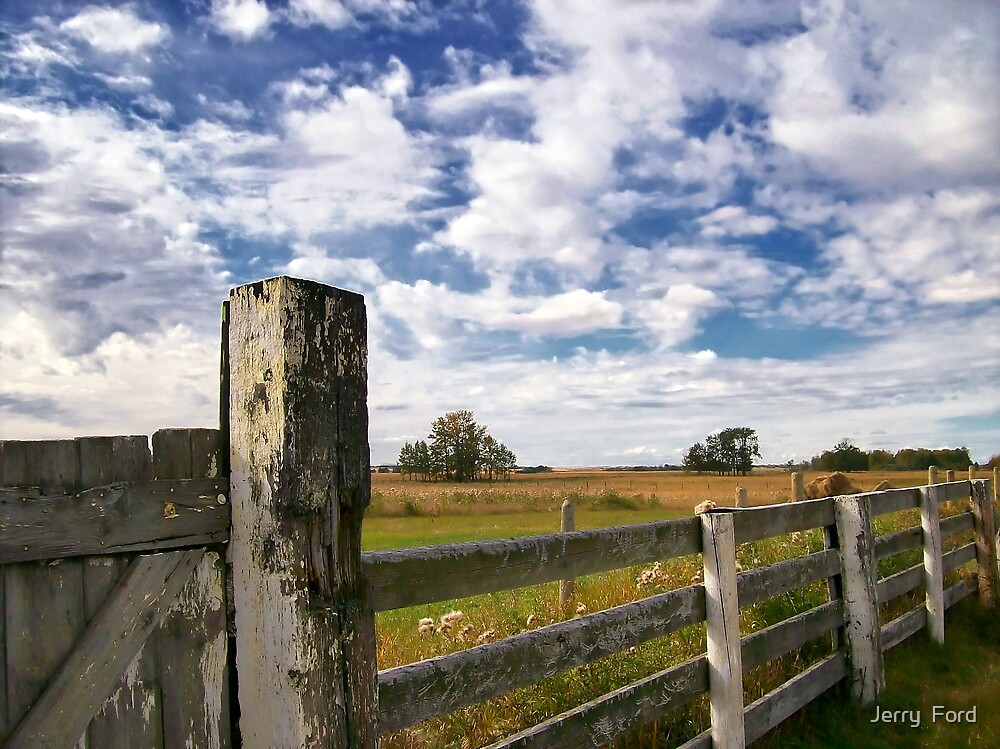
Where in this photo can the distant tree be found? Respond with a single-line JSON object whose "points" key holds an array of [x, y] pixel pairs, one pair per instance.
{"points": [[730, 451], [458, 449]]}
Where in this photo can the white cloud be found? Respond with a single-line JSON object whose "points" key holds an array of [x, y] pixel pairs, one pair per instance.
{"points": [[573, 313], [733, 220], [240, 19], [329, 13], [115, 31]]}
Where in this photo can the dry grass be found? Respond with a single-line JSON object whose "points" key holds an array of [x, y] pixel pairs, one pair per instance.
{"points": [[396, 495]]}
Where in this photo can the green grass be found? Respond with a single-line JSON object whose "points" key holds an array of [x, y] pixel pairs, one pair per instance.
{"points": [[404, 532]]}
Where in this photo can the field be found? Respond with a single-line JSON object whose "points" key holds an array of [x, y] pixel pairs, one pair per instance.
{"points": [[408, 513]]}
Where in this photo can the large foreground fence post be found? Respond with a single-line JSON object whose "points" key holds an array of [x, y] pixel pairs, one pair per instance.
{"points": [[300, 484], [722, 622], [861, 620]]}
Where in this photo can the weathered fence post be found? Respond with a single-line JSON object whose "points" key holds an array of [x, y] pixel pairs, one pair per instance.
{"points": [[932, 475], [300, 484], [741, 496], [949, 475], [986, 543], [930, 523], [798, 487], [567, 524], [972, 472], [861, 619], [722, 621]]}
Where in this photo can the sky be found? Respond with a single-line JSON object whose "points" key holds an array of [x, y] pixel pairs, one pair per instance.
{"points": [[608, 228]]}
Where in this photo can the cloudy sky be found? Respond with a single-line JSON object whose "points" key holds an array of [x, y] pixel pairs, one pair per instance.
{"points": [[608, 228]]}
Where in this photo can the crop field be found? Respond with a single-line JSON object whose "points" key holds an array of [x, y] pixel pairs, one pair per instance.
{"points": [[414, 513]]}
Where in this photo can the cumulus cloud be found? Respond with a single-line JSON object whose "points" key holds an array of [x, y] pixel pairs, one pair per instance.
{"points": [[115, 30], [240, 19]]}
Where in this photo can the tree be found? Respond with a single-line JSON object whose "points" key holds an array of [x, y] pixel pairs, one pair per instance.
{"points": [[458, 449], [730, 451]]}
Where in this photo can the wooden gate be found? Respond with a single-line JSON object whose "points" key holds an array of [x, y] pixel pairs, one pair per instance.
{"points": [[113, 604]]}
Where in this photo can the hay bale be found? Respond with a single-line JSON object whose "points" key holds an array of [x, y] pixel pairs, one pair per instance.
{"points": [[704, 507], [833, 485]]}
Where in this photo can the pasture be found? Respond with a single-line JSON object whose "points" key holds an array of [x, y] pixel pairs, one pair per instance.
{"points": [[413, 513]]}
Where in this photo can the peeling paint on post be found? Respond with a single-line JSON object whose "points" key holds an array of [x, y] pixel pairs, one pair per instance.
{"points": [[986, 543], [861, 619], [722, 621], [930, 523], [932, 475], [300, 484]]}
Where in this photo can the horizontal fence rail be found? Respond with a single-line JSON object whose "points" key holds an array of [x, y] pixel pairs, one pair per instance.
{"points": [[124, 516], [416, 692]]}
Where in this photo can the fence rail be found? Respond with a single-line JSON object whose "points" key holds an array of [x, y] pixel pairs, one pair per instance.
{"points": [[416, 692]]}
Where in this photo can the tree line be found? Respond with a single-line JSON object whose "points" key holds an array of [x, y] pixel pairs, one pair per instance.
{"points": [[728, 452], [457, 449], [846, 456]]}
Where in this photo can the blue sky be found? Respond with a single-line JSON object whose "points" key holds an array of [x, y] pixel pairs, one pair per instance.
{"points": [[607, 228]]}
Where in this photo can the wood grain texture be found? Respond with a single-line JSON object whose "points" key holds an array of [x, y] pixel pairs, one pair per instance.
{"points": [[131, 716], [899, 583], [111, 519], [599, 722], [954, 525], [986, 543], [416, 692], [755, 523], [955, 558], [930, 523], [897, 542], [790, 634], [45, 608], [778, 705], [97, 662], [861, 617], [463, 569], [765, 582], [903, 627], [192, 640], [722, 626], [300, 484]]}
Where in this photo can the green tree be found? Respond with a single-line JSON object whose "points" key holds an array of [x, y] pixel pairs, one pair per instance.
{"points": [[730, 451], [458, 449]]}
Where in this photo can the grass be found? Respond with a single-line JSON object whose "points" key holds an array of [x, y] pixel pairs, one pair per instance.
{"points": [[445, 514]]}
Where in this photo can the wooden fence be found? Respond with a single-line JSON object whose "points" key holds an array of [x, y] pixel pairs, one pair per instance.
{"points": [[136, 584]]}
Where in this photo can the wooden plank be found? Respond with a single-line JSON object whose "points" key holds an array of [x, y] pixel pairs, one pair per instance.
{"points": [[131, 715], [45, 609], [930, 523], [903, 627], [418, 691], [754, 523], [964, 522], [834, 585], [599, 722], [893, 586], [778, 705], [858, 570], [457, 570], [702, 741], [765, 582], [111, 518], [955, 558], [957, 592], [192, 639], [891, 500], [98, 661], [897, 542], [298, 424], [986, 543], [785, 636], [722, 627]]}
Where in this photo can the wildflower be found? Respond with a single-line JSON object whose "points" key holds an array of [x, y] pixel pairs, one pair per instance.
{"points": [[426, 627], [463, 632], [581, 609], [531, 620], [486, 636], [451, 618], [739, 567]]}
